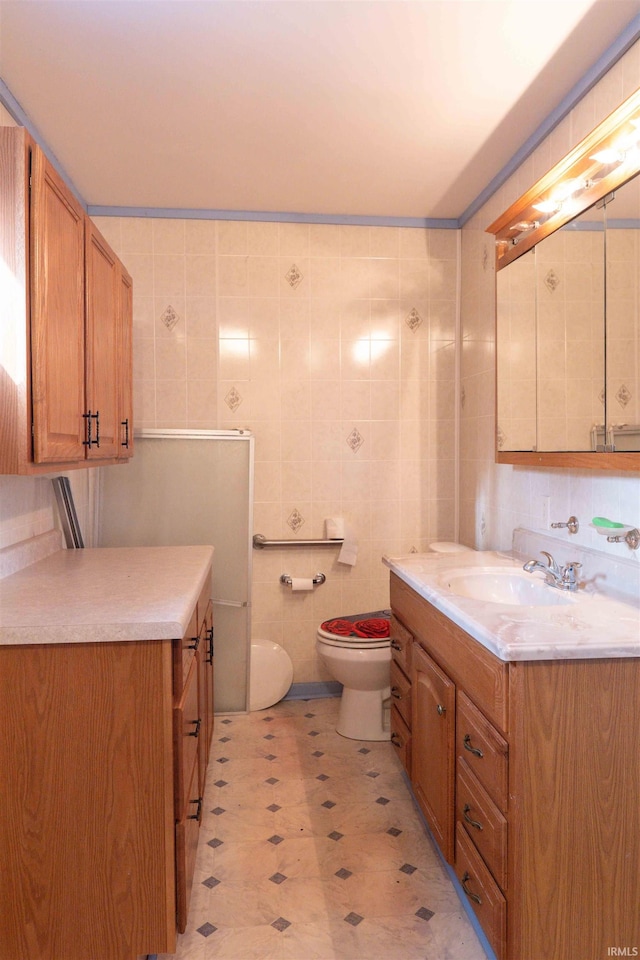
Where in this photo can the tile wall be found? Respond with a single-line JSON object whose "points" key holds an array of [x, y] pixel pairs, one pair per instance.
{"points": [[335, 345], [495, 499]]}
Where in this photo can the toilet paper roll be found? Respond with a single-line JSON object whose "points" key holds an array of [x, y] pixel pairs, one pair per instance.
{"points": [[334, 528], [300, 584]]}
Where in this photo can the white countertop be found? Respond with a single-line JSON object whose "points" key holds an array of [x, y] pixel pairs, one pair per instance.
{"points": [[104, 594], [589, 625]]}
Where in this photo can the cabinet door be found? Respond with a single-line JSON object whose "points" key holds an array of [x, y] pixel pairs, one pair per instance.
{"points": [[103, 298], [57, 317], [433, 747], [125, 366]]}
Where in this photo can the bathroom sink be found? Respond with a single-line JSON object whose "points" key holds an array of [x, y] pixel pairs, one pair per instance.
{"points": [[503, 585]]}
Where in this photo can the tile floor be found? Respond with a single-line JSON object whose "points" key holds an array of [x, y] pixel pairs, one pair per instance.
{"points": [[311, 849]]}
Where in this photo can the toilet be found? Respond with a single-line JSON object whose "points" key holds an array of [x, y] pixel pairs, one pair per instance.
{"points": [[356, 650], [270, 673]]}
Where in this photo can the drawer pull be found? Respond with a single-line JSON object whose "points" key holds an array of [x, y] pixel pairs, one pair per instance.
{"points": [[195, 643], [196, 723], [472, 896], [396, 646], [197, 814], [441, 710], [467, 745], [465, 814], [396, 740], [396, 694]]}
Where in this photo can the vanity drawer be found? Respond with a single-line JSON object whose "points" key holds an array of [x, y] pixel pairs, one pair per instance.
{"points": [[186, 727], [401, 693], [401, 738], [483, 893], [401, 644], [187, 836], [483, 749], [184, 654], [483, 822]]}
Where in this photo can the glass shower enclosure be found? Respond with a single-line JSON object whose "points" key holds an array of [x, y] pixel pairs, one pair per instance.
{"points": [[194, 487]]}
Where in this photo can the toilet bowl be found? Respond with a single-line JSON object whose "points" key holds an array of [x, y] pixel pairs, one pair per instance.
{"points": [[271, 673], [356, 650]]}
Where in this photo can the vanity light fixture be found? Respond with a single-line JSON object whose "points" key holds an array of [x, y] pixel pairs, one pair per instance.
{"points": [[548, 206], [609, 156], [604, 160]]}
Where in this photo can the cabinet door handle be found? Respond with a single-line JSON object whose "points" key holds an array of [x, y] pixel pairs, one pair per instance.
{"points": [[396, 646], [209, 658], [194, 645], [472, 896], [395, 693], [396, 740], [196, 732], [466, 743], [465, 814], [125, 424], [441, 710], [90, 442], [198, 813]]}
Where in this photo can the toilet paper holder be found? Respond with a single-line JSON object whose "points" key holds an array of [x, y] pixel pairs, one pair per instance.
{"points": [[317, 580]]}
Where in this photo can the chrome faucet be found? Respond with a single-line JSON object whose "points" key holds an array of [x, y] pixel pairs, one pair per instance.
{"points": [[564, 578]]}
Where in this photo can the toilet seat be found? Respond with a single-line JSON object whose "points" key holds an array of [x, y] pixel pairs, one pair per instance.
{"points": [[351, 643], [353, 630]]}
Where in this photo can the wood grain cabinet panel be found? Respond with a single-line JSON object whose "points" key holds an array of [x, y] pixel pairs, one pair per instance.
{"points": [[66, 315], [401, 644], [483, 821], [482, 892], [401, 739], [57, 316], [86, 822], [484, 750], [433, 737], [401, 692]]}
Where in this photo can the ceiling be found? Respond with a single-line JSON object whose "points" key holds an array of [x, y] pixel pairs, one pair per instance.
{"points": [[404, 109]]}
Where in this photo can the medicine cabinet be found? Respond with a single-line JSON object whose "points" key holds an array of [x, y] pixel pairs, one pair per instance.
{"points": [[567, 308]]}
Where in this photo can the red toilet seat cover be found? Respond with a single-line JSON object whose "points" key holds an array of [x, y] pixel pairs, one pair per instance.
{"points": [[373, 625]]}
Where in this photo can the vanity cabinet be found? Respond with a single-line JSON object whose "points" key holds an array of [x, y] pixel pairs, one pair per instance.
{"points": [[100, 816], [66, 312], [528, 777]]}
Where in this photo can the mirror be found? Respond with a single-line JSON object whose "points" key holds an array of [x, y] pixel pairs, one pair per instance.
{"points": [[623, 318], [567, 317], [550, 341]]}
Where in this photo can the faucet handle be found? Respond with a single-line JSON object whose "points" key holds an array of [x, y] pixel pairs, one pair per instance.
{"points": [[570, 570]]}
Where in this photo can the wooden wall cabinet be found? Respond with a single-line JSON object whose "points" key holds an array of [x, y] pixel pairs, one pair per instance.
{"points": [[66, 317], [102, 747], [528, 776]]}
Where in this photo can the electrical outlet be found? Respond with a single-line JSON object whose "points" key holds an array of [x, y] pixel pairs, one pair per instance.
{"points": [[545, 503]]}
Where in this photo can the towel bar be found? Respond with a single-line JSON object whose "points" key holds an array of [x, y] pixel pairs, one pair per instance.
{"points": [[259, 541]]}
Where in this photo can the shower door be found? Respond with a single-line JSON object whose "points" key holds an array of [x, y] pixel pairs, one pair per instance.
{"points": [[194, 487]]}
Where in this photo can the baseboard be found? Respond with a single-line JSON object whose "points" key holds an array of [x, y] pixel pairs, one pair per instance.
{"points": [[315, 690], [464, 900]]}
